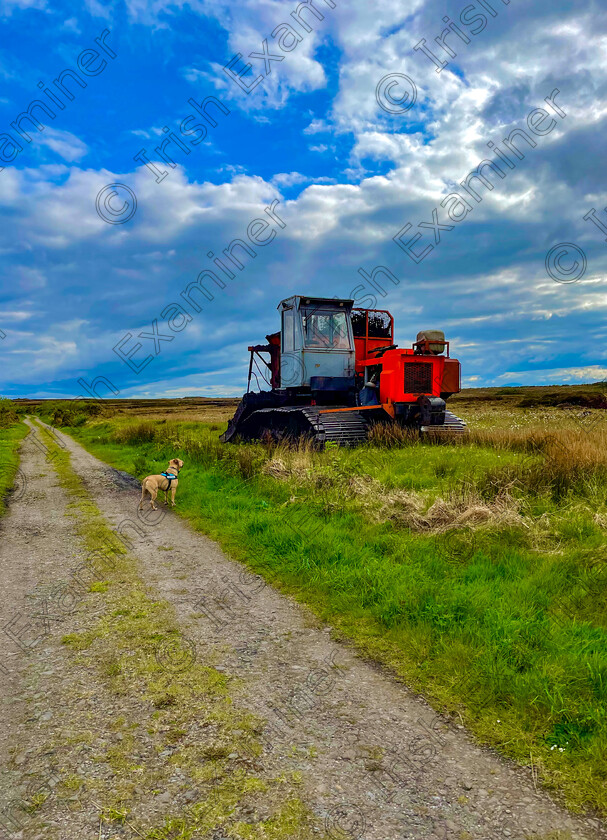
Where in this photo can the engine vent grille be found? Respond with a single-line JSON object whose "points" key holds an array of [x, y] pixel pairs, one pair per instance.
{"points": [[418, 378]]}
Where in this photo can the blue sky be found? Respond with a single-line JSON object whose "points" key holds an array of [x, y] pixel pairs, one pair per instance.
{"points": [[344, 177]]}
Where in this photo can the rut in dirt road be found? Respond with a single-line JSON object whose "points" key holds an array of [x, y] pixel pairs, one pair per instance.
{"points": [[375, 761]]}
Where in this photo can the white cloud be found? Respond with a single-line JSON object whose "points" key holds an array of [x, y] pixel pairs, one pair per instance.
{"points": [[7, 7], [288, 179], [64, 143], [29, 279], [558, 376], [14, 315], [316, 126]]}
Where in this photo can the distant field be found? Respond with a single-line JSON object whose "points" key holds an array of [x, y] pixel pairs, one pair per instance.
{"points": [[477, 571], [473, 402], [190, 408]]}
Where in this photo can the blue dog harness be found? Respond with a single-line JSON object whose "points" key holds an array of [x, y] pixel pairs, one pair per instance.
{"points": [[169, 478]]}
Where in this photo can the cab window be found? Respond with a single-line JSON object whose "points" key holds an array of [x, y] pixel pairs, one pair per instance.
{"points": [[288, 330], [326, 330]]}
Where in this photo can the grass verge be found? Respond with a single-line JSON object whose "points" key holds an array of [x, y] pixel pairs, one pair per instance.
{"points": [[10, 438]]}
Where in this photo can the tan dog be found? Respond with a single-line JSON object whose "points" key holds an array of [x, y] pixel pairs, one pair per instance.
{"points": [[153, 483]]}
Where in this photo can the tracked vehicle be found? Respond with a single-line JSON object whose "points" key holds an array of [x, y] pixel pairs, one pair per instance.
{"points": [[333, 371]]}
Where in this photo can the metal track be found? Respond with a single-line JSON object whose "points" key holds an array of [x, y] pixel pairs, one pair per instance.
{"points": [[345, 428], [453, 425]]}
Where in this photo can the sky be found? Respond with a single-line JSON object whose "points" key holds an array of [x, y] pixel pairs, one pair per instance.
{"points": [[338, 158]]}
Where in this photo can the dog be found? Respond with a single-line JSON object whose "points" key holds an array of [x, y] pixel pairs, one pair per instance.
{"points": [[167, 481]]}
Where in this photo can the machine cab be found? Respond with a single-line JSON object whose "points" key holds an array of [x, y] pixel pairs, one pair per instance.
{"points": [[323, 361], [316, 344]]}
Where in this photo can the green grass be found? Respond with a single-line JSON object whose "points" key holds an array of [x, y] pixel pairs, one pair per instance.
{"points": [[10, 438], [494, 623]]}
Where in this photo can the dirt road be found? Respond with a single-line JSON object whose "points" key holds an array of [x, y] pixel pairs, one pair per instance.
{"points": [[374, 761]]}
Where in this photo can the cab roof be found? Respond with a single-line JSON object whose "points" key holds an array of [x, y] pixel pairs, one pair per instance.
{"points": [[297, 301]]}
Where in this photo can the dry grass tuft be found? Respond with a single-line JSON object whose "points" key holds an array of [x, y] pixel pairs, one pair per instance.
{"points": [[292, 462], [584, 445], [600, 519], [389, 435], [410, 510], [276, 468], [405, 508]]}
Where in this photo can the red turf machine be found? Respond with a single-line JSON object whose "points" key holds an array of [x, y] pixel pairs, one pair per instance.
{"points": [[334, 370]]}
